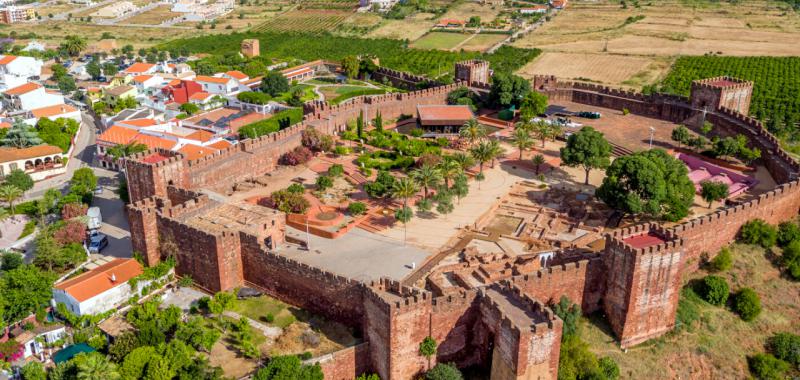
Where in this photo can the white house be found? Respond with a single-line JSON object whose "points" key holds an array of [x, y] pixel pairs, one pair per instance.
{"points": [[15, 71], [146, 83], [58, 111], [538, 8], [224, 86], [29, 96], [39, 161], [100, 289], [34, 341]]}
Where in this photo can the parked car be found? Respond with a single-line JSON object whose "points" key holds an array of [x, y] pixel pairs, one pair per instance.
{"points": [[98, 190], [97, 243], [95, 218], [589, 115]]}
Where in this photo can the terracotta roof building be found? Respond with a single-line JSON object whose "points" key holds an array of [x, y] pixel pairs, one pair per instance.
{"points": [[443, 119], [39, 161], [99, 289]]}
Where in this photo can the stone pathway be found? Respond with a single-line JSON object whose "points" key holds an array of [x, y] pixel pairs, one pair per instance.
{"points": [[271, 332]]}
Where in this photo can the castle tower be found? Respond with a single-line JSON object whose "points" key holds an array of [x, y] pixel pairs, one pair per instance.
{"points": [[250, 48], [722, 92], [473, 71], [149, 173], [643, 288]]}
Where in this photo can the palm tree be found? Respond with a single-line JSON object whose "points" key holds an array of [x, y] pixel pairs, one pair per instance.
{"points": [[427, 177], [73, 45], [522, 140], [96, 367], [538, 161], [404, 188], [472, 131], [496, 150], [9, 194], [464, 160], [449, 169], [481, 153], [543, 130]]}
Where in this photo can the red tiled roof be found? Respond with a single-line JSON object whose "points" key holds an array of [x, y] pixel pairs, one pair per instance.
{"points": [[4, 125], [117, 135], [201, 136], [23, 89], [154, 141], [153, 158], [101, 279], [444, 115], [208, 79], [221, 144], [139, 122], [202, 95], [236, 74], [139, 67], [8, 154], [142, 78], [194, 152], [55, 110], [7, 59], [644, 240]]}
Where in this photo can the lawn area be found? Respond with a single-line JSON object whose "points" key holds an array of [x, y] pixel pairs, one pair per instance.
{"points": [[259, 307], [308, 93], [717, 344], [482, 42], [439, 41], [338, 94]]}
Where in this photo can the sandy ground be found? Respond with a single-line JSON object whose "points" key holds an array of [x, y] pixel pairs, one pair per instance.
{"points": [[604, 68], [411, 28]]}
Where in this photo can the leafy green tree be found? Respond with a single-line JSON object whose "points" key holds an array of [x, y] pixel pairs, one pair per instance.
{"points": [[274, 83], [19, 179], [608, 368], [123, 345], [58, 132], [767, 367], [508, 89], [189, 108], [288, 367], [723, 261], [534, 104], [444, 371], [713, 191], [133, 367], [759, 232], [787, 232], [11, 261], [83, 181], [747, 304], [110, 69], [357, 208], [785, 346], [93, 69], [120, 151], [25, 289], [587, 149], [378, 122], [449, 169], [33, 371], [197, 335], [351, 66], [95, 366], [714, 290], [445, 206], [360, 125], [681, 135], [726, 147], [576, 361], [650, 182], [21, 135], [324, 182], [482, 153], [9, 194], [570, 313]]}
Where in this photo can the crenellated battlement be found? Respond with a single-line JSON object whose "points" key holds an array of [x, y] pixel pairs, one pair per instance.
{"points": [[723, 82]]}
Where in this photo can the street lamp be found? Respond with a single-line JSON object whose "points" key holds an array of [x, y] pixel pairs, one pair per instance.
{"points": [[652, 131]]}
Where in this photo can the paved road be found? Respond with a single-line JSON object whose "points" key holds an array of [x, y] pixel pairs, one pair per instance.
{"points": [[82, 156], [115, 220]]}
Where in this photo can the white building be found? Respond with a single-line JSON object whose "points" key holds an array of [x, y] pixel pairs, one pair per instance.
{"points": [[223, 86], [40, 161], [15, 71], [100, 289], [29, 96], [381, 5], [34, 341], [116, 10]]}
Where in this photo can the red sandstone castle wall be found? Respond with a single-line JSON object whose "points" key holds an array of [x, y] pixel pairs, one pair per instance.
{"points": [[345, 364], [335, 297], [583, 282]]}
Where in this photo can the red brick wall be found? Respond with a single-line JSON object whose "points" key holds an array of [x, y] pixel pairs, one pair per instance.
{"points": [[583, 282], [345, 364]]}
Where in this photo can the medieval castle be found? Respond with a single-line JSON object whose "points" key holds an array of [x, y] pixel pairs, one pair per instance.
{"points": [[506, 325]]}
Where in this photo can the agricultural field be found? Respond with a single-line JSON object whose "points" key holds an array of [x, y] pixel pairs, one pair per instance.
{"points": [[482, 42], [359, 24], [440, 40], [666, 29], [154, 16], [56, 7], [392, 53], [715, 342], [465, 10], [306, 21], [330, 4], [411, 28], [628, 70], [775, 90]]}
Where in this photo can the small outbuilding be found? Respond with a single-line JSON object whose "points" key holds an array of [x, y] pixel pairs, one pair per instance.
{"points": [[443, 119]]}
